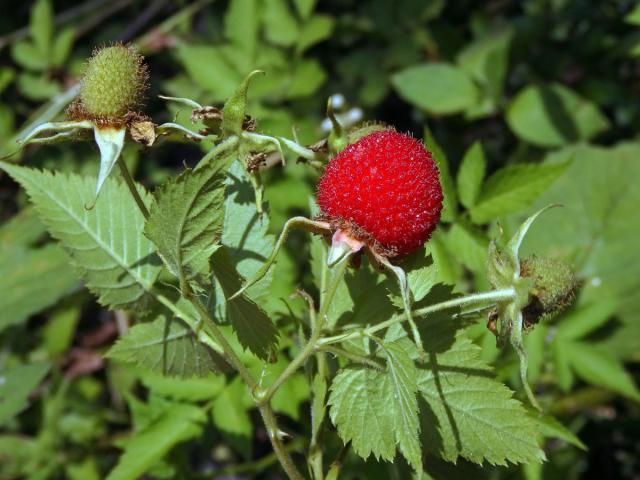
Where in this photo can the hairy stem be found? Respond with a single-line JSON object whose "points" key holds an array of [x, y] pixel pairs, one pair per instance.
{"points": [[355, 358], [266, 411], [310, 348], [480, 300], [232, 358], [254, 466], [279, 448], [132, 188]]}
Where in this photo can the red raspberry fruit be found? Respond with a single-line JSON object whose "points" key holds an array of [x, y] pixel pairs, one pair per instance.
{"points": [[383, 190]]}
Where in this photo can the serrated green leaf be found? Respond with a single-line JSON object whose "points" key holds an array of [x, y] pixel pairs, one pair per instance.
{"points": [[439, 88], [230, 411], [304, 7], [447, 268], [471, 175], [166, 346], [241, 24], [6, 77], [361, 297], [31, 280], [586, 318], [554, 115], [472, 415], [550, 427], [28, 56], [359, 410], [513, 188], [146, 447], [307, 77], [105, 243], [185, 222], [376, 410], [468, 245], [486, 61], [313, 31], [450, 198], [281, 27], [16, 384], [422, 275], [41, 25], [403, 374], [253, 327], [22, 230], [600, 368], [597, 231], [467, 412], [210, 68], [246, 232], [189, 389], [62, 46], [36, 86], [563, 374]]}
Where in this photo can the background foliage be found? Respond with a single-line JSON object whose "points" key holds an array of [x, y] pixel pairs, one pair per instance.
{"points": [[522, 103]]}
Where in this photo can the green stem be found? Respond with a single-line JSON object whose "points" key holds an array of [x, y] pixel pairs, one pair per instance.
{"points": [[303, 152], [310, 348], [186, 317], [340, 352], [132, 188], [266, 411], [481, 300], [254, 466], [258, 189], [279, 448], [315, 457], [223, 146], [218, 336]]}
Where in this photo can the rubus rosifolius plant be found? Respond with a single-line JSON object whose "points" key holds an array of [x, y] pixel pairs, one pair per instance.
{"points": [[380, 347]]}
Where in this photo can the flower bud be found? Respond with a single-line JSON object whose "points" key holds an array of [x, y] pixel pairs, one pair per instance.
{"points": [[554, 288]]}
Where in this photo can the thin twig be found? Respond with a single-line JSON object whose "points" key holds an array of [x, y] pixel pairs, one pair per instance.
{"points": [[486, 298]]}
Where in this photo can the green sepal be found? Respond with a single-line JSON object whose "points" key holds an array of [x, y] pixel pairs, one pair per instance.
{"points": [[337, 139], [110, 141], [503, 271], [235, 109], [68, 128]]}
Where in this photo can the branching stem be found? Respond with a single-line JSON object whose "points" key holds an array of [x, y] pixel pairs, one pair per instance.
{"points": [[484, 299], [310, 348]]}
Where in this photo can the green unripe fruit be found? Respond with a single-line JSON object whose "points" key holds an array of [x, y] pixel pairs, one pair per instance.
{"points": [[113, 84], [554, 287]]}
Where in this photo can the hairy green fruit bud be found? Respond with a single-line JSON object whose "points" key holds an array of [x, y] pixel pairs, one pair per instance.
{"points": [[113, 85], [554, 288]]}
